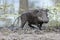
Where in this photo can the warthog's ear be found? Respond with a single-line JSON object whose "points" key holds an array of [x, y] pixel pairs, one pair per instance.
{"points": [[36, 11], [47, 10]]}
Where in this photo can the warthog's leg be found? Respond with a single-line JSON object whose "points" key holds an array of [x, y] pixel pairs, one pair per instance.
{"points": [[31, 26], [40, 26], [22, 25], [23, 22]]}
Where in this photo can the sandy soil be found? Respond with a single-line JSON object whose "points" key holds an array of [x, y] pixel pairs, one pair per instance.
{"points": [[6, 34]]}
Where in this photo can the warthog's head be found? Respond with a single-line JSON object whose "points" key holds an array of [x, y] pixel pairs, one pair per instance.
{"points": [[43, 15]]}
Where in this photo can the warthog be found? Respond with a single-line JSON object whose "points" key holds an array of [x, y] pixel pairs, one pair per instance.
{"points": [[35, 17]]}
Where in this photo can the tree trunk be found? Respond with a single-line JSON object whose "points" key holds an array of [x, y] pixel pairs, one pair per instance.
{"points": [[23, 6]]}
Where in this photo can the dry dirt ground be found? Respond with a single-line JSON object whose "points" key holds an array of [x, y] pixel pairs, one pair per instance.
{"points": [[28, 34]]}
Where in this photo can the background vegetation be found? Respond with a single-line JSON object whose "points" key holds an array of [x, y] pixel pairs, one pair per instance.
{"points": [[8, 9]]}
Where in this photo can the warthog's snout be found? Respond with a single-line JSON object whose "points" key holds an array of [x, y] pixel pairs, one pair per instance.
{"points": [[45, 20]]}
